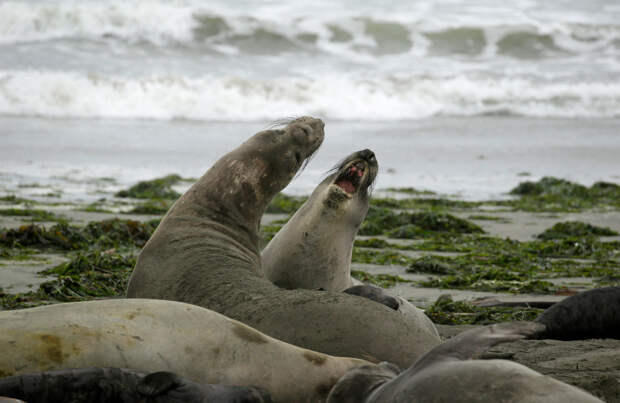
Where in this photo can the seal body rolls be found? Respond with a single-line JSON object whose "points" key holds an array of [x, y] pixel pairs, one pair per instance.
{"points": [[205, 252], [153, 335]]}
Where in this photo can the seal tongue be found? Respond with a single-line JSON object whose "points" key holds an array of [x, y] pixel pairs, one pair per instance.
{"points": [[346, 185], [350, 179]]}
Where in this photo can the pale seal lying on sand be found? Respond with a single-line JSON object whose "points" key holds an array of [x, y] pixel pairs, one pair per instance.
{"points": [[313, 249], [205, 252], [118, 385], [448, 374], [153, 335]]}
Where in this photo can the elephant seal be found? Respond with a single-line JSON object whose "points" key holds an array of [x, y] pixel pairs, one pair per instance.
{"points": [[313, 250], [448, 374], [205, 252], [118, 385], [154, 335]]}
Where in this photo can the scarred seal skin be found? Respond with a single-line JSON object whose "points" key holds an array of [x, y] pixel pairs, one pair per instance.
{"points": [[205, 252], [195, 343], [450, 374]]}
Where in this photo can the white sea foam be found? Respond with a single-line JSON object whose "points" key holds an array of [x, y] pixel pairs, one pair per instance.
{"points": [[338, 96]]}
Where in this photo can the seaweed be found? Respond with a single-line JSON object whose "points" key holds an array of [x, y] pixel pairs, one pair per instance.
{"points": [[410, 190], [429, 264], [107, 233], [152, 207], [282, 203], [88, 275], [553, 194], [34, 214], [411, 225], [380, 280], [445, 311], [159, 188], [573, 229]]}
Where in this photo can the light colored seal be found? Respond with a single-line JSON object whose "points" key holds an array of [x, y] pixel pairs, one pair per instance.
{"points": [[205, 252], [153, 335], [313, 250], [448, 374]]}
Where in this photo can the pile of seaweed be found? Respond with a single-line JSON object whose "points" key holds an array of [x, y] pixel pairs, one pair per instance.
{"points": [[102, 256]]}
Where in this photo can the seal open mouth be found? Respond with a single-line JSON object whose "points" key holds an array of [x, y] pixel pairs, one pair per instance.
{"points": [[350, 179]]}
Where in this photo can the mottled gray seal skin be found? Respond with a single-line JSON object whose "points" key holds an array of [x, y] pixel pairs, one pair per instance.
{"points": [[448, 374], [205, 252], [155, 335], [313, 250], [119, 385]]}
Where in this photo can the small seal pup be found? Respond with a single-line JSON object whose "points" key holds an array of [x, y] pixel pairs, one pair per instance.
{"points": [[448, 374], [154, 335], [118, 385], [313, 249], [205, 252]]}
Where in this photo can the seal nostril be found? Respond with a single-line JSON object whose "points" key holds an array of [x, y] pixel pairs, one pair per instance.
{"points": [[367, 155], [298, 157]]}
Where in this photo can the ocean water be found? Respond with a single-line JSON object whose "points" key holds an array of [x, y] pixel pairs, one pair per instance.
{"points": [[342, 59], [398, 75]]}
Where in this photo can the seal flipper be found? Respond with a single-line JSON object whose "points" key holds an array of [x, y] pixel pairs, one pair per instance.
{"points": [[472, 343], [375, 294], [587, 315], [157, 383]]}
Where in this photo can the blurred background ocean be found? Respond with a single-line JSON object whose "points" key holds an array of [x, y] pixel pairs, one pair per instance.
{"points": [[456, 96]]}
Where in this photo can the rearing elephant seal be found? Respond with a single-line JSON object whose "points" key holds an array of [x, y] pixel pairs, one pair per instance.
{"points": [[313, 250], [205, 252]]}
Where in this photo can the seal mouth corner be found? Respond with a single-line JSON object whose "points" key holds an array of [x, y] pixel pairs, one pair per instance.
{"points": [[350, 179]]}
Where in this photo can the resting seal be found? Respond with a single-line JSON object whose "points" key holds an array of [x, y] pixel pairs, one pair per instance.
{"points": [[205, 252], [313, 250], [120, 385], [153, 335], [448, 374], [592, 314]]}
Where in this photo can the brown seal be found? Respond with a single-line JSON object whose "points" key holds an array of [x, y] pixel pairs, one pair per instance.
{"points": [[205, 252]]}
